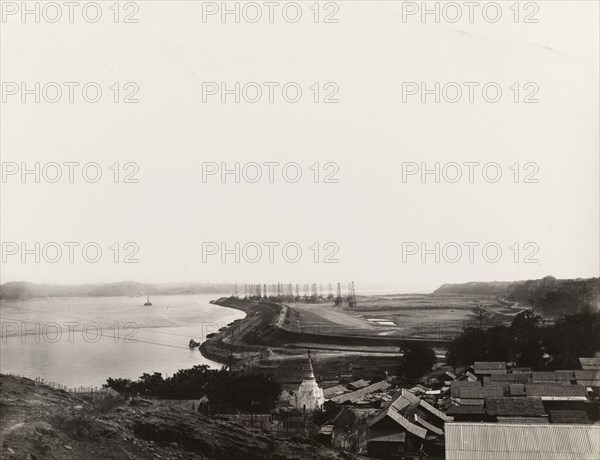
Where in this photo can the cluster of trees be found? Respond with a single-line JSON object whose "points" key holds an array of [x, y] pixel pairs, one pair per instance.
{"points": [[416, 361], [530, 343], [248, 392]]}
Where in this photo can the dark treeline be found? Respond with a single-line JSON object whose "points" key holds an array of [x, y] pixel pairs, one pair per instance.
{"points": [[530, 343], [247, 392]]}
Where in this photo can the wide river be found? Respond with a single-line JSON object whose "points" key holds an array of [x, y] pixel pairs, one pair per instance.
{"points": [[83, 341]]}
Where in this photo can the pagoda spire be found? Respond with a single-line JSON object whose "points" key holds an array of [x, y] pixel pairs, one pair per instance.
{"points": [[310, 373]]}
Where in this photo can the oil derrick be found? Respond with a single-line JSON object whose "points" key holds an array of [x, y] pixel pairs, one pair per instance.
{"points": [[313, 292], [264, 291], [297, 298], [320, 291], [235, 291], [351, 295], [245, 291], [330, 295], [289, 293], [338, 297], [306, 293]]}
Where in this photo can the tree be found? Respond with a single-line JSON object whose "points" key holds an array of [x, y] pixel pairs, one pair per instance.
{"points": [[527, 333], [416, 361], [474, 344], [527, 340], [480, 312], [247, 392], [572, 337]]}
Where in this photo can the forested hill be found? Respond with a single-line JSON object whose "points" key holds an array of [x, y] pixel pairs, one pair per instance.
{"points": [[548, 295], [25, 290]]}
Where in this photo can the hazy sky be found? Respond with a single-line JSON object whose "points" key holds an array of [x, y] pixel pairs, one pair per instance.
{"points": [[369, 134]]}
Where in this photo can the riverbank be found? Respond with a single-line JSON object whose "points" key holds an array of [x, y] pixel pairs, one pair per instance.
{"points": [[263, 341], [266, 327]]}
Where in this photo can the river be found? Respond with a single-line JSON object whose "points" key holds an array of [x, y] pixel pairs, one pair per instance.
{"points": [[81, 341]]}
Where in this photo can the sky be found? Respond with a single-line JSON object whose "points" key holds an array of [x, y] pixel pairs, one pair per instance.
{"points": [[370, 217]]}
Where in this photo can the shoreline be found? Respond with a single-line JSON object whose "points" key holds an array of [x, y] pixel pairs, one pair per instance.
{"points": [[263, 332]]}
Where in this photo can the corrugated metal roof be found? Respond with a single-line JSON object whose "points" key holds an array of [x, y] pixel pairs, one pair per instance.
{"points": [[526, 420], [480, 392], [550, 377], [511, 378], [471, 377], [569, 416], [501, 441], [588, 378], [394, 437], [520, 370], [524, 407], [329, 393], [590, 364], [326, 429], [456, 385], [466, 410], [404, 423], [358, 384], [470, 402], [428, 426], [554, 389], [489, 365], [438, 413], [358, 394], [517, 389]]}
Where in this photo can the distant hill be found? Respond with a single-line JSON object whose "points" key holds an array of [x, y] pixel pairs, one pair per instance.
{"points": [[548, 295], [497, 288], [26, 290]]}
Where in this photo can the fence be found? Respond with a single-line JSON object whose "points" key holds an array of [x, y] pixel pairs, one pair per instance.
{"points": [[92, 391], [283, 424], [187, 404]]}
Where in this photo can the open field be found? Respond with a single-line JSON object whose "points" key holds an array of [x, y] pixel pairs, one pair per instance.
{"points": [[273, 334], [400, 315]]}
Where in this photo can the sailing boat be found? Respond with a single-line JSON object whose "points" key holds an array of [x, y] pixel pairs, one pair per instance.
{"points": [[148, 303]]}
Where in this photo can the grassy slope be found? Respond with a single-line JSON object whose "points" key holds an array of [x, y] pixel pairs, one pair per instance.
{"points": [[33, 427]]}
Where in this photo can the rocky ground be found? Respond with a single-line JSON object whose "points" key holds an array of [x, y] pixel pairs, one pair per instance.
{"points": [[39, 422]]}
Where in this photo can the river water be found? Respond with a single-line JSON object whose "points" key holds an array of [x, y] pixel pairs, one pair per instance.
{"points": [[83, 341]]}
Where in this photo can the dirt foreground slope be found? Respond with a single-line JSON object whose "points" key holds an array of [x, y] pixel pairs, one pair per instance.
{"points": [[39, 422]]}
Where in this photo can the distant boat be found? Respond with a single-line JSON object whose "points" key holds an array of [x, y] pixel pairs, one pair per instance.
{"points": [[148, 303]]}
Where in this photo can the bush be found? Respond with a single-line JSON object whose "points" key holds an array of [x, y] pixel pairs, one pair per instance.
{"points": [[76, 422], [107, 402]]}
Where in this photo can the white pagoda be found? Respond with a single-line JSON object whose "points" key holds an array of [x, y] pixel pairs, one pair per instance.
{"points": [[309, 396]]}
